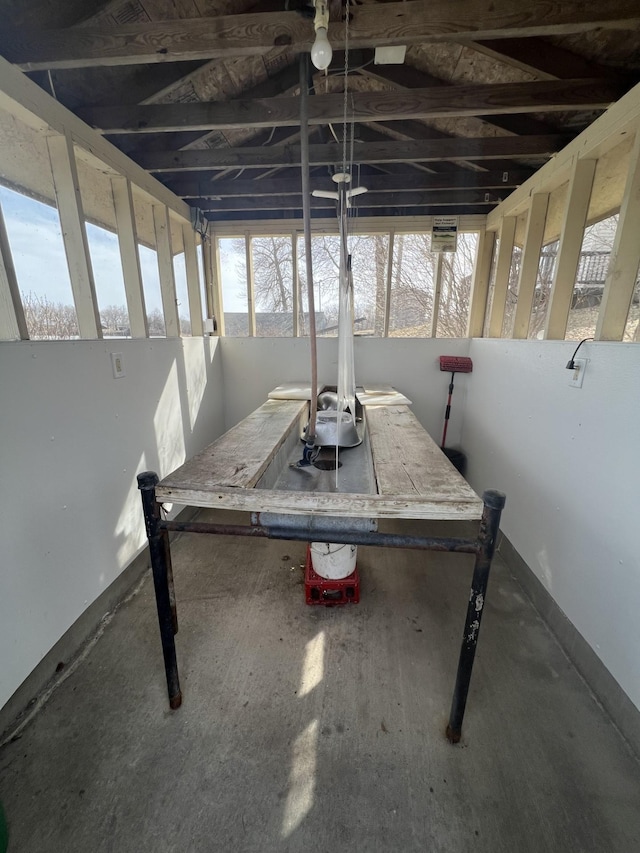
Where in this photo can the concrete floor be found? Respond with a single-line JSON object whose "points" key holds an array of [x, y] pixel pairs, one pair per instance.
{"points": [[318, 729]]}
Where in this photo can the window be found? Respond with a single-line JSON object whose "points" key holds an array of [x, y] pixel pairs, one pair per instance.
{"points": [[37, 249], [412, 286], [325, 256], [542, 293], [182, 296], [233, 282], [512, 292], [369, 259], [591, 274], [273, 285], [455, 287]]}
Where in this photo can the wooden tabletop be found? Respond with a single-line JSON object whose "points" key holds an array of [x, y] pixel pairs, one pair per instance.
{"points": [[414, 479]]}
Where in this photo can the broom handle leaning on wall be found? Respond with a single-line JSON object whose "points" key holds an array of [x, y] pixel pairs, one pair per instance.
{"points": [[447, 412]]}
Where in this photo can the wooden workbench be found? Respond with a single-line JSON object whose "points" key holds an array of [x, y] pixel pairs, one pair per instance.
{"points": [[414, 479]]}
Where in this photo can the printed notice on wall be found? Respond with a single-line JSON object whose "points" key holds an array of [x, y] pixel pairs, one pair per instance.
{"points": [[444, 233]]}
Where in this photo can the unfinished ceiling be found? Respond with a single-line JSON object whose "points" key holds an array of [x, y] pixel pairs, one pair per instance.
{"points": [[205, 93]]}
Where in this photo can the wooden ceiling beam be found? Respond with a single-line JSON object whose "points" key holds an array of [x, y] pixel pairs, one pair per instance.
{"points": [[407, 77], [373, 199], [363, 212], [486, 99], [413, 22], [480, 148], [545, 59], [225, 188]]}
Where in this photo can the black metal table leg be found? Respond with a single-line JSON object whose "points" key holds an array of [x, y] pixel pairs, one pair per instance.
{"points": [[493, 505], [162, 581]]}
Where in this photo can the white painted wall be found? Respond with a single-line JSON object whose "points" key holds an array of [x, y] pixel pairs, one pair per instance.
{"points": [[73, 439], [569, 462], [254, 366]]}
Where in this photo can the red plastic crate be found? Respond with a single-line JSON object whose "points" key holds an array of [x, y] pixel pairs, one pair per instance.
{"points": [[319, 590]]}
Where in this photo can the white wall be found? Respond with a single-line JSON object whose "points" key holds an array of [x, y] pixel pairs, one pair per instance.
{"points": [[569, 462], [254, 366], [73, 439]]}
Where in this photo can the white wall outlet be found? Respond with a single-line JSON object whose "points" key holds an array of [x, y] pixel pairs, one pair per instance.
{"points": [[577, 374], [117, 363]]}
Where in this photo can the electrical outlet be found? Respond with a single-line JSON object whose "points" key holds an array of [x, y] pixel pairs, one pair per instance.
{"points": [[577, 374], [117, 363]]}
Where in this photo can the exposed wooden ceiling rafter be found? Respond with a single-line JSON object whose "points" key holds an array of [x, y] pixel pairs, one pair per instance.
{"points": [[486, 99], [413, 22], [478, 211], [407, 198], [477, 148], [407, 77], [545, 59], [226, 188]]}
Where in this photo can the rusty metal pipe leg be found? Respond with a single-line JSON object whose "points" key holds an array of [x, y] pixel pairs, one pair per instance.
{"points": [[172, 591], [493, 505], [159, 551]]}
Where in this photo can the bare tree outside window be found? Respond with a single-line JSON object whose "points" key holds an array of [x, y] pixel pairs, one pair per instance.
{"points": [[412, 286], [512, 292], [48, 320], [273, 285], [455, 287], [542, 293]]}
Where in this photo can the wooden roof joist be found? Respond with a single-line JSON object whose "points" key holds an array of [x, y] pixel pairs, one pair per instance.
{"points": [[414, 22], [392, 213], [437, 102], [410, 151], [261, 187], [408, 198]]}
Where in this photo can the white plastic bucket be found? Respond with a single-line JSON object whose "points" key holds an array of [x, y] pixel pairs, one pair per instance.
{"points": [[332, 561]]}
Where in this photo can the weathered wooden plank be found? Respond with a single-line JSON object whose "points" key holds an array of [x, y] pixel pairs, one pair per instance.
{"points": [[408, 23], [322, 503], [407, 77], [240, 457], [406, 460], [459, 100], [462, 179], [468, 148]]}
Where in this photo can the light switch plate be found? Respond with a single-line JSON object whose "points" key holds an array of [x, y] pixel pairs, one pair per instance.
{"points": [[117, 363]]}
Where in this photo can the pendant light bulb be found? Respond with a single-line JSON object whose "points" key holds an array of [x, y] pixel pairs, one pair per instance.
{"points": [[321, 51]]}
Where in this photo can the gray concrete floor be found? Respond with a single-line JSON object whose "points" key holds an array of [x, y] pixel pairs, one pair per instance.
{"points": [[321, 729]]}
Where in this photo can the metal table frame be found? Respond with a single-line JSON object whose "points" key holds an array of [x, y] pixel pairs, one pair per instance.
{"points": [[483, 547]]}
